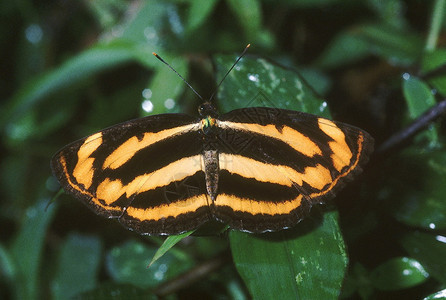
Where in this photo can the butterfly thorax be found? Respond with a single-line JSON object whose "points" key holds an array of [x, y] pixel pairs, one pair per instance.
{"points": [[208, 125]]}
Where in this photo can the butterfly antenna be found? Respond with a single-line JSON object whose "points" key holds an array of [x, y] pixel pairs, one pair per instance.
{"points": [[229, 71], [182, 78]]}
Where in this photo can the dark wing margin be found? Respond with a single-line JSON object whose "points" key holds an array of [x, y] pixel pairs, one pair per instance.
{"points": [[146, 172], [275, 164]]}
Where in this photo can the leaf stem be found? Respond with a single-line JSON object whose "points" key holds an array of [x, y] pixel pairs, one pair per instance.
{"points": [[436, 20]]}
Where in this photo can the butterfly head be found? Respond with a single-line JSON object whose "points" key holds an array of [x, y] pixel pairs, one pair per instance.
{"points": [[207, 110]]}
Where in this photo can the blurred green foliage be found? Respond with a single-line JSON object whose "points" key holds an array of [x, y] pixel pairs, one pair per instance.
{"points": [[70, 68]]}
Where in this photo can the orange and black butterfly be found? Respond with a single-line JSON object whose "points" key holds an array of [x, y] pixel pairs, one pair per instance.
{"points": [[256, 169]]}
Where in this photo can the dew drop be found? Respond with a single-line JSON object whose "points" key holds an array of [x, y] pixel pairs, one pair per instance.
{"points": [[169, 103], [147, 106], [34, 33]]}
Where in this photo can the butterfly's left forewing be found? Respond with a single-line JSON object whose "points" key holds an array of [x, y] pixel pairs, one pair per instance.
{"points": [[275, 164], [147, 172]]}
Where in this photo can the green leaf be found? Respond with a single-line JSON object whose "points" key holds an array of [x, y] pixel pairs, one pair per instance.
{"points": [[437, 296], [358, 280], [198, 12], [27, 248], [257, 82], [168, 243], [107, 12], [432, 61], [317, 80], [398, 46], [115, 291], [145, 23], [128, 264], [398, 273], [416, 198], [418, 96], [344, 49], [419, 99], [73, 71], [78, 266], [428, 249], [7, 266], [305, 3], [303, 263], [165, 86], [249, 15], [436, 20], [391, 11]]}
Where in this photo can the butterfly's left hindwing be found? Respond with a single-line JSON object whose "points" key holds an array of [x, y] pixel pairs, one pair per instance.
{"points": [[146, 172]]}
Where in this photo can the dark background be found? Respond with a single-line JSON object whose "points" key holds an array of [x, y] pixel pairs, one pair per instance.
{"points": [[71, 68]]}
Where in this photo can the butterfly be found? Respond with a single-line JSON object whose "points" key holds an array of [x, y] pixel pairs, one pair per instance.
{"points": [[257, 169]]}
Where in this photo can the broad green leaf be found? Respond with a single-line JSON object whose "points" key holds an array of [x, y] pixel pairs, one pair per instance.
{"points": [[428, 249], [257, 82], [26, 250], [299, 263], [169, 242], [398, 273], [78, 266], [128, 263]]}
